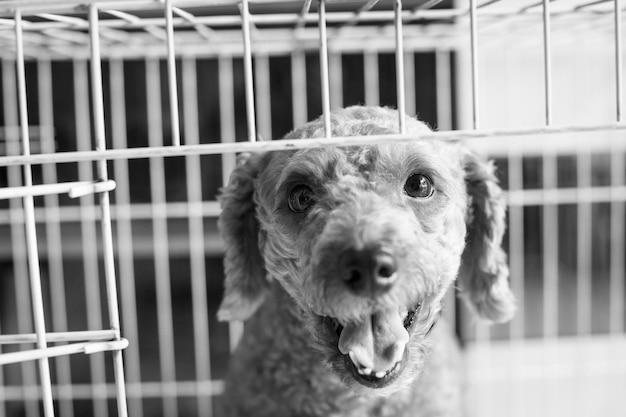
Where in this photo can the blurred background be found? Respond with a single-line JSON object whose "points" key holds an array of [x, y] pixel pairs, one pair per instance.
{"points": [[563, 354]]}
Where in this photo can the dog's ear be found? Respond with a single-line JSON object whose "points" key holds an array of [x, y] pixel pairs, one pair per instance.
{"points": [[484, 272], [245, 283]]}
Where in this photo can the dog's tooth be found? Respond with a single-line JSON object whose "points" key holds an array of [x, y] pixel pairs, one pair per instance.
{"points": [[364, 371], [354, 359], [380, 374]]}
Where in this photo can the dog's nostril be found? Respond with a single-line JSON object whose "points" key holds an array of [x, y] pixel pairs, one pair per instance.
{"points": [[385, 271], [354, 277], [386, 267]]}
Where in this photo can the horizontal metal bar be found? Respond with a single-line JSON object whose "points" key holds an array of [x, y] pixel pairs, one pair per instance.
{"points": [[548, 196], [92, 188], [7, 8], [35, 132], [74, 189], [488, 140], [51, 352], [142, 389], [137, 211], [57, 337]]}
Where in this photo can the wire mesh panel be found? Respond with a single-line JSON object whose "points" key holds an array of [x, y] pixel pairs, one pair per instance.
{"points": [[147, 104]]}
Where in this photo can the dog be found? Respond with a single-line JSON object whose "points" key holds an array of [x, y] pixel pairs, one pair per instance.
{"points": [[338, 259]]}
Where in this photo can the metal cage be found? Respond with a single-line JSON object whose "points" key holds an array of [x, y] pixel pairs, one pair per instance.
{"points": [[145, 104]]}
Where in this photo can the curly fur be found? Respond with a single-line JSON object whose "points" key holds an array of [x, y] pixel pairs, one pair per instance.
{"points": [[286, 274]]}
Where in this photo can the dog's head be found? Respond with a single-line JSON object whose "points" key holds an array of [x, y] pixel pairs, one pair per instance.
{"points": [[366, 240]]}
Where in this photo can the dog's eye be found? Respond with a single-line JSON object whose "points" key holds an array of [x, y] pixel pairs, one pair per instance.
{"points": [[300, 198], [419, 186]]}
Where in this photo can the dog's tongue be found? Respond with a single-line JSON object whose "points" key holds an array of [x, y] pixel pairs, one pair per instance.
{"points": [[377, 343]]}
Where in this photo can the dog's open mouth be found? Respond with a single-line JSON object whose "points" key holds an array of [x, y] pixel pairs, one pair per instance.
{"points": [[375, 348]]}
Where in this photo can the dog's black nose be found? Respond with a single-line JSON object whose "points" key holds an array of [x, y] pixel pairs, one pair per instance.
{"points": [[369, 272]]}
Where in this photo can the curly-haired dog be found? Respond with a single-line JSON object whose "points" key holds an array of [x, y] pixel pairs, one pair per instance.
{"points": [[339, 258]]}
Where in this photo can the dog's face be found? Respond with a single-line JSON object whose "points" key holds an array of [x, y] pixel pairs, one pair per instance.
{"points": [[366, 241]]}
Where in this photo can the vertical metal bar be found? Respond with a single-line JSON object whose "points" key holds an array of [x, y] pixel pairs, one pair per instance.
{"points": [[105, 208], [228, 135], [54, 242], [160, 239], [618, 59], [171, 74], [125, 234], [227, 112], [335, 79], [324, 68], [397, 7], [618, 209], [18, 233], [370, 73], [618, 247], [482, 331], [474, 53], [584, 239], [444, 90], [298, 87], [547, 54], [409, 81], [247, 67], [89, 234], [550, 251], [30, 225], [196, 238], [516, 245], [584, 243], [263, 96]]}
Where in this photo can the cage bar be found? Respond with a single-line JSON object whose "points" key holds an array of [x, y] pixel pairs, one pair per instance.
{"points": [[171, 74], [54, 351], [196, 238], [583, 255], [57, 337], [474, 63], [618, 247], [618, 208], [400, 87], [263, 96], [160, 239], [74, 189], [410, 100], [298, 87], [325, 85], [335, 79], [18, 233], [31, 232], [482, 140], [125, 233], [550, 238], [370, 71], [444, 90], [88, 230], [619, 62], [53, 236], [247, 68], [227, 112], [547, 61]]}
